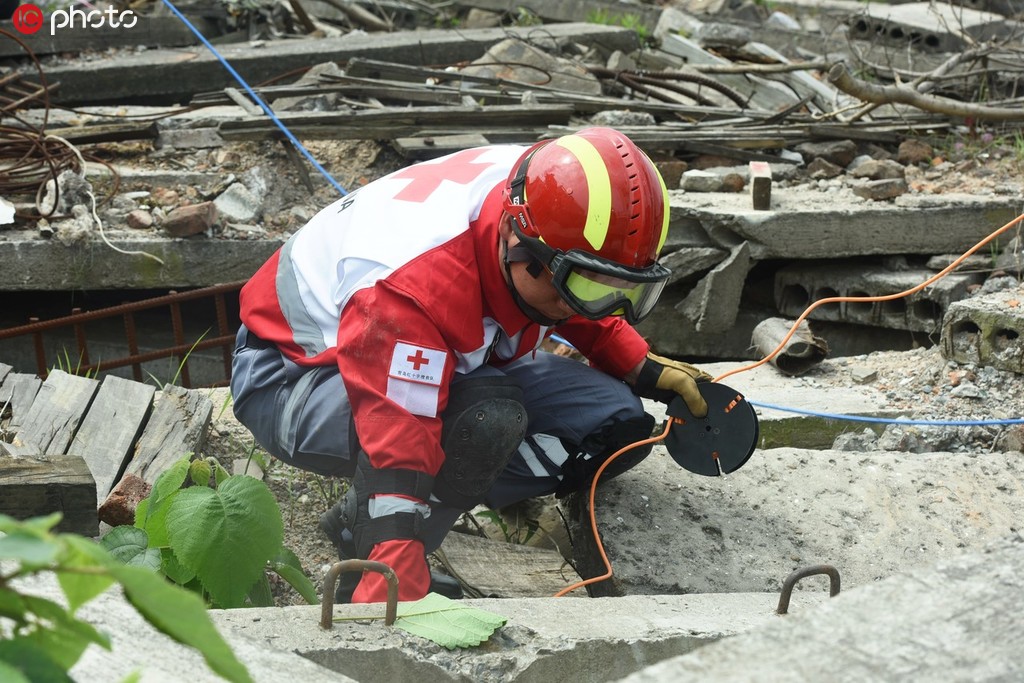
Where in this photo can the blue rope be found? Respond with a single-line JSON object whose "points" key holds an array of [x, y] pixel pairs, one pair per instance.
{"points": [[900, 421], [860, 418], [267, 110]]}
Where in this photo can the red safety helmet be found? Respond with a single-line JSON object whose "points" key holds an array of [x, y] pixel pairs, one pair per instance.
{"points": [[592, 208]]}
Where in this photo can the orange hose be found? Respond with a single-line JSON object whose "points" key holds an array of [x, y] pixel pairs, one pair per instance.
{"points": [[803, 316]]}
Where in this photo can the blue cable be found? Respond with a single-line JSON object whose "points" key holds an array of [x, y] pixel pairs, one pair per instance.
{"points": [[900, 421], [861, 418], [267, 110]]}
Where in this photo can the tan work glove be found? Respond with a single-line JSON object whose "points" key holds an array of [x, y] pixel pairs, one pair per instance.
{"points": [[662, 379]]}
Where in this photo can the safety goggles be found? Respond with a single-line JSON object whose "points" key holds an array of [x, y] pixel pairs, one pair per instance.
{"points": [[595, 287]]}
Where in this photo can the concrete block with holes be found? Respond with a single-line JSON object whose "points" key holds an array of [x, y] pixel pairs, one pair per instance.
{"points": [[928, 27], [987, 330], [798, 286]]}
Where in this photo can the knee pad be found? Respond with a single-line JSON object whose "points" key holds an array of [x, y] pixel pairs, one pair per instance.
{"points": [[578, 471], [483, 425]]}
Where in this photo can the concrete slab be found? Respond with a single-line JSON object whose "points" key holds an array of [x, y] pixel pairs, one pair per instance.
{"points": [[798, 285], [191, 262], [958, 620], [545, 639], [925, 26], [175, 75], [871, 515], [807, 224]]}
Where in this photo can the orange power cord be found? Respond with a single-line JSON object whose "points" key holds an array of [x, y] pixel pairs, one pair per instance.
{"points": [[803, 316]]}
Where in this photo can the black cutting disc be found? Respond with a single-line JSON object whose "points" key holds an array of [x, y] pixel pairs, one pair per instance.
{"points": [[717, 444]]}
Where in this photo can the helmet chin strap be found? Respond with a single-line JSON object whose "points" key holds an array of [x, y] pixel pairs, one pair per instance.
{"points": [[534, 267]]}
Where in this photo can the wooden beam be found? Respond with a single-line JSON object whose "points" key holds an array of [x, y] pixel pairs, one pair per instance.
{"points": [[37, 486], [394, 122], [107, 132]]}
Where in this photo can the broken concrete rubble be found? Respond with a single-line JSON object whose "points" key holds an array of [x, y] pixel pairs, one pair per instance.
{"points": [[987, 329]]}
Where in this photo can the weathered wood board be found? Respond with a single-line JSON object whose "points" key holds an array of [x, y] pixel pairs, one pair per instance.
{"points": [[177, 428], [54, 416], [108, 434], [17, 393], [38, 486], [507, 570]]}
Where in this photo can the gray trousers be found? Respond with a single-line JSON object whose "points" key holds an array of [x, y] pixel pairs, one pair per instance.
{"points": [[301, 416]]}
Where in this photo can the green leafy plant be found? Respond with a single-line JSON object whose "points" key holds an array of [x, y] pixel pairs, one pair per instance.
{"points": [[217, 537], [181, 363], [40, 640], [629, 21], [526, 17], [519, 534], [65, 364]]}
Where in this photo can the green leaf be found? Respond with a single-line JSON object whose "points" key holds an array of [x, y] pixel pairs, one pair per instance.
{"points": [[447, 622], [220, 474], [288, 567], [29, 550], [260, 594], [226, 535], [22, 661], [81, 587], [182, 616], [36, 526], [11, 606], [130, 545], [174, 569], [200, 472], [165, 488], [66, 638]]}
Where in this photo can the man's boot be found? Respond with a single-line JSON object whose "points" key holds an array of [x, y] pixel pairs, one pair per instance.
{"points": [[334, 524]]}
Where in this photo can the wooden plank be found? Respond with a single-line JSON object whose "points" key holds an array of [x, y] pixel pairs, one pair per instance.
{"points": [[32, 487], [54, 416], [107, 132], [394, 121], [505, 570], [177, 428], [17, 393], [107, 437], [423, 148]]}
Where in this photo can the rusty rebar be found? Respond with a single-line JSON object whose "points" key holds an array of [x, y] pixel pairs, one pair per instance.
{"points": [[331, 580], [790, 582]]}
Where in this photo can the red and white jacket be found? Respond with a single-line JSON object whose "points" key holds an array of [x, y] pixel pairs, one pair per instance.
{"points": [[401, 284]]}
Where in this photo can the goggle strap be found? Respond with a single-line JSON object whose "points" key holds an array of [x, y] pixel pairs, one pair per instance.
{"points": [[520, 254]]}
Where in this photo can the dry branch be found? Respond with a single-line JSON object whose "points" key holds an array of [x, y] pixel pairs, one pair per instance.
{"points": [[890, 94]]}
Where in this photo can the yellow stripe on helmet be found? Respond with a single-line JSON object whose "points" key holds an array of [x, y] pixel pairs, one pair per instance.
{"points": [[664, 196], [599, 188]]}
